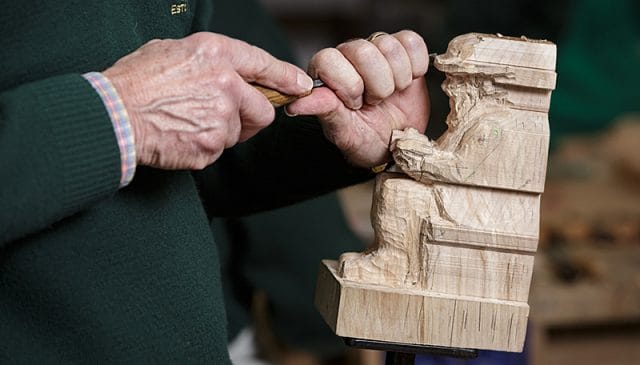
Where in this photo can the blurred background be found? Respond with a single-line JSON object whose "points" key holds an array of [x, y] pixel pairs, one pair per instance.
{"points": [[585, 297]]}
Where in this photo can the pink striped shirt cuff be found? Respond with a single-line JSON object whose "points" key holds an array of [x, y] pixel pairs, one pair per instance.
{"points": [[121, 125]]}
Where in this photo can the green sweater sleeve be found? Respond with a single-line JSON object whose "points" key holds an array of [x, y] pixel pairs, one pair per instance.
{"points": [[59, 154]]}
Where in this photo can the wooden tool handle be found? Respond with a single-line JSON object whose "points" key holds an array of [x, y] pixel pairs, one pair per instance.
{"points": [[277, 98]]}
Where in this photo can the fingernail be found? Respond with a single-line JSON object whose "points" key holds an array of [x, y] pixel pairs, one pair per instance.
{"points": [[304, 81]]}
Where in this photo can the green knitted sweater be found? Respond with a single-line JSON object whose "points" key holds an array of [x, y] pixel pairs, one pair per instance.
{"points": [[93, 273]]}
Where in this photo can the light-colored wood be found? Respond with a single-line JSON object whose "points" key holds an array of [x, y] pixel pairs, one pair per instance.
{"points": [[449, 239], [456, 229], [417, 317], [276, 98], [498, 136]]}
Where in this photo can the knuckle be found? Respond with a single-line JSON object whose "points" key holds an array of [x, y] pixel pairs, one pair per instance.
{"points": [[198, 39], [261, 58], [325, 56], [270, 68], [364, 51], [258, 118], [202, 37], [412, 39], [223, 80], [266, 117], [223, 109], [286, 74], [208, 44], [211, 49], [389, 45]]}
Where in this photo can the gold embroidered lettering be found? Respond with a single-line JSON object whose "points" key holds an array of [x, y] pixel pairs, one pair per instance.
{"points": [[179, 8]]}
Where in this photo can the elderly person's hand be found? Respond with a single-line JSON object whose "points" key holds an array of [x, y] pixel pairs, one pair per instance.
{"points": [[373, 87], [189, 99]]}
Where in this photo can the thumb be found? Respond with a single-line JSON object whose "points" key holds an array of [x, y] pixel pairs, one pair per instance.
{"points": [[335, 118], [257, 65]]}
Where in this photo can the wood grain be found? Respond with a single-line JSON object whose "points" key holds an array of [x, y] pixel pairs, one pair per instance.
{"points": [[276, 98], [417, 317], [498, 132], [427, 237], [456, 225]]}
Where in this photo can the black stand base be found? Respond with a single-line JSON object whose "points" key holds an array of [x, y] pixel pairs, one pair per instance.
{"points": [[404, 354], [399, 358]]}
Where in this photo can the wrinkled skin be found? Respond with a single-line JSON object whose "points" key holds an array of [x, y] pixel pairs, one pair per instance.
{"points": [[189, 99]]}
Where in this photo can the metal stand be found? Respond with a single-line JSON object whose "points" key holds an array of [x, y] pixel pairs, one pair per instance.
{"points": [[403, 354]]}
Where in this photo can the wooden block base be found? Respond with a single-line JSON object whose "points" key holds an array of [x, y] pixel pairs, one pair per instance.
{"points": [[418, 317]]}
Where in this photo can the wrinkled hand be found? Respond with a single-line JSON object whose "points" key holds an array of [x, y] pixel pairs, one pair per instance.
{"points": [[189, 99], [373, 87]]}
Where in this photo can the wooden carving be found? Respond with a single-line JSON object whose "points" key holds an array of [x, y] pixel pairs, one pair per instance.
{"points": [[456, 226]]}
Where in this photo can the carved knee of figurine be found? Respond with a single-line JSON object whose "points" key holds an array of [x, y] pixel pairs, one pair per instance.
{"points": [[399, 210]]}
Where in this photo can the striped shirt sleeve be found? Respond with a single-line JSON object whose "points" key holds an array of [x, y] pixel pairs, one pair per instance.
{"points": [[121, 124]]}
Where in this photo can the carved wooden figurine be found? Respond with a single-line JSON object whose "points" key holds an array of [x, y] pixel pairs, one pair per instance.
{"points": [[456, 228]]}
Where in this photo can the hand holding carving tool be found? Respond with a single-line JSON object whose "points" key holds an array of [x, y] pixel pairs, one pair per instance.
{"points": [[279, 99]]}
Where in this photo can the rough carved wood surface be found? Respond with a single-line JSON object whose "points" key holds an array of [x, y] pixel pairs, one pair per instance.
{"points": [[457, 229], [428, 238], [498, 136]]}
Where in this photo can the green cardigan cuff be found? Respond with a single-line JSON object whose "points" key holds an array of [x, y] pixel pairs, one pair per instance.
{"points": [[59, 149], [82, 132]]}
